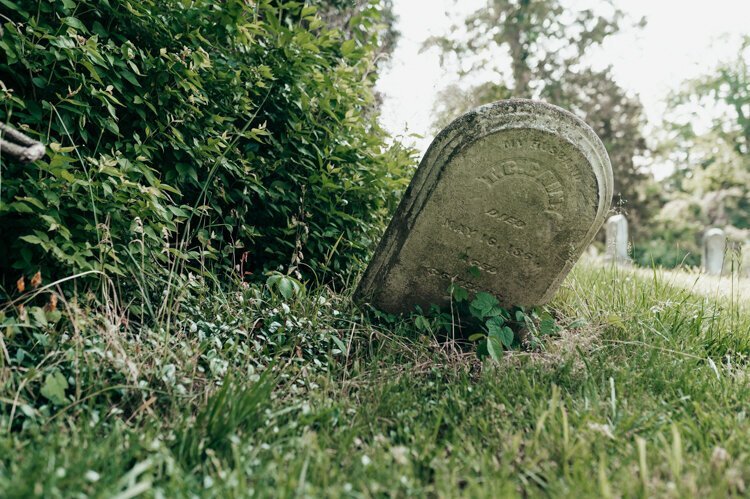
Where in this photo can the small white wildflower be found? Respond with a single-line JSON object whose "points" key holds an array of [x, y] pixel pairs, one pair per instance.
{"points": [[168, 374], [218, 366], [285, 308], [273, 327], [604, 429], [366, 460], [193, 327], [719, 456], [321, 300], [92, 476], [400, 454]]}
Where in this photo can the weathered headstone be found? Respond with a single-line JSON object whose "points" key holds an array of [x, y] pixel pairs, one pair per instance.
{"points": [[505, 200], [617, 240], [714, 248]]}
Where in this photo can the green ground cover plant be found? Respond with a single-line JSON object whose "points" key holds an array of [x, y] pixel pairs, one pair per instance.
{"points": [[640, 391]]}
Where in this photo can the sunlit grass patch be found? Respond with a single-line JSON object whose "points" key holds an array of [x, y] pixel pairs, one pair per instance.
{"points": [[642, 391]]}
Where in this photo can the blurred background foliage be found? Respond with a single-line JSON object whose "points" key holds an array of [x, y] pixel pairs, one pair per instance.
{"points": [[710, 184], [233, 136], [538, 49]]}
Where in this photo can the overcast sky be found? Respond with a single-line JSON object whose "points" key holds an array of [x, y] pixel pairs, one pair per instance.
{"points": [[682, 39]]}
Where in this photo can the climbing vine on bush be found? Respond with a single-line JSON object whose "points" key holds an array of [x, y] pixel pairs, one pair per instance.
{"points": [[198, 132]]}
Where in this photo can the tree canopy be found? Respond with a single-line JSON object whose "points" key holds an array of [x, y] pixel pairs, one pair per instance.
{"points": [[537, 49], [234, 134]]}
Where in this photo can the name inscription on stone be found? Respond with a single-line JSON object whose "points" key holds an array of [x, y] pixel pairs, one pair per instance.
{"points": [[533, 171]]}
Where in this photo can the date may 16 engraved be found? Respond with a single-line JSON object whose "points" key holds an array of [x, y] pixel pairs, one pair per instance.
{"points": [[534, 170], [510, 249]]}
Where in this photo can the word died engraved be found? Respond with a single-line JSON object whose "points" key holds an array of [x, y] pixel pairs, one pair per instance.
{"points": [[532, 169], [507, 218]]}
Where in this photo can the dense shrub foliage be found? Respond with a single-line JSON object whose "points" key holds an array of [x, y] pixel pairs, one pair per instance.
{"points": [[201, 132]]}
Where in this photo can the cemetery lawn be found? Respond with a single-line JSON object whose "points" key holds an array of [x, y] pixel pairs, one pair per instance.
{"points": [[644, 392]]}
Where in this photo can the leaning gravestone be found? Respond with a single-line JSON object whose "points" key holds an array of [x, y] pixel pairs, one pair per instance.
{"points": [[617, 240], [505, 200], [714, 247]]}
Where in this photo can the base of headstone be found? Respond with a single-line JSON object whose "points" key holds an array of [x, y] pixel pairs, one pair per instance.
{"points": [[621, 262]]}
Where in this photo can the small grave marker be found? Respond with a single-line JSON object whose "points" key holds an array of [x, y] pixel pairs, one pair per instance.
{"points": [[714, 247], [617, 240], [505, 200]]}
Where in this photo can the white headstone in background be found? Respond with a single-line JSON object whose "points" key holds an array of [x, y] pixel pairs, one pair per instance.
{"points": [[617, 240], [714, 247], [745, 259]]}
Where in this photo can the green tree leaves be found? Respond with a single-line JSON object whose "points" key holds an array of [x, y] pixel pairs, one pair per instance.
{"points": [[201, 130], [546, 42]]}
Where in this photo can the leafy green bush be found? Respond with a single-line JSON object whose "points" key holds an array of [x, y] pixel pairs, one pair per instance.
{"points": [[674, 236], [191, 132]]}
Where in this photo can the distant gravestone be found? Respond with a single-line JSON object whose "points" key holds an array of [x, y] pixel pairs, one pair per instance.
{"points": [[714, 248], [505, 200], [745, 259], [617, 240]]}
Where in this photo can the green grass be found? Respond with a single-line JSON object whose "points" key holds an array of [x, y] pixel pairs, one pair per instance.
{"points": [[644, 392]]}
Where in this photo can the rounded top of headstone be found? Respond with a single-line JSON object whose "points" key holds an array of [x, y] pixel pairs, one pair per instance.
{"points": [[617, 219], [714, 232], [526, 114]]}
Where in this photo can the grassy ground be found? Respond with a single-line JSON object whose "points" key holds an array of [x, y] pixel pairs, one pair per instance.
{"points": [[643, 392], [729, 285]]}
